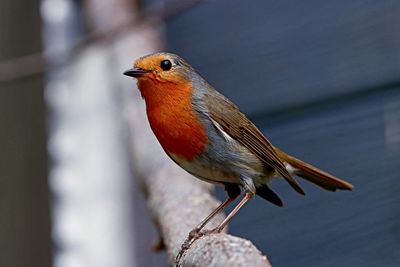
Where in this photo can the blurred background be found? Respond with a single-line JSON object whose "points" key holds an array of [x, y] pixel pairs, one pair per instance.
{"points": [[320, 78]]}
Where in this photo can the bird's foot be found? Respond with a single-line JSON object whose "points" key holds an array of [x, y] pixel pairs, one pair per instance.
{"points": [[216, 230], [193, 236], [194, 233]]}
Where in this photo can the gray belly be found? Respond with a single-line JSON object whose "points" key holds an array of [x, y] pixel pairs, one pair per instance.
{"points": [[226, 162]]}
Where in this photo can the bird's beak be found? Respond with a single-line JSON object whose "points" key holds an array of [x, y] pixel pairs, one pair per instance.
{"points": [[135, 72]]}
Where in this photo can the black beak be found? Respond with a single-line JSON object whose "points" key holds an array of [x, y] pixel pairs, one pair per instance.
{"points": [[135, 72]]}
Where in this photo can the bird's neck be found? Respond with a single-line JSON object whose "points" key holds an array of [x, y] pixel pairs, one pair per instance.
{"points": [[172, 118]]}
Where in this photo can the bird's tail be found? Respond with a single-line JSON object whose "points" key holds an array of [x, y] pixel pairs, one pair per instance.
{"points": [[313, 174]]}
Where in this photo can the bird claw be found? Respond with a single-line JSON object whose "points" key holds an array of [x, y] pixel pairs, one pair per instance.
{"points": [[193, 236], [194, 233], [216, 230]]}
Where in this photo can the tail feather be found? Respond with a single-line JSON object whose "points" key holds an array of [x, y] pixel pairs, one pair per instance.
{"points": [[313, 174], [266, 193]]}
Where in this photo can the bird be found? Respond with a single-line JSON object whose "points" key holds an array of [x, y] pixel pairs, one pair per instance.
{"points": [[207, 135]]}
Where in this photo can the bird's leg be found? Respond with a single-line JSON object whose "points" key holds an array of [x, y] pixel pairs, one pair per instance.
{"points": [[244, 200], [203, 223], [233, 191], [195, 233]]}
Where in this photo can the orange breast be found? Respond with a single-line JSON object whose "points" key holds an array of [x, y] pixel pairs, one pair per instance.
{"points": [[172, 119]]}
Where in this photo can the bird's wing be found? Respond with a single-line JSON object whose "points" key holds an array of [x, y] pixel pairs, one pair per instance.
{"points": [[240, 128]]}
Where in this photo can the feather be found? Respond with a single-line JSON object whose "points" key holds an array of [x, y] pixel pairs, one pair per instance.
{"points": [[235, 124], [266, 193], [313, 174]]}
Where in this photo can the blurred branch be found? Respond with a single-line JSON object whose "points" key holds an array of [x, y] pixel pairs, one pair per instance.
{"points": [[33, 64]]}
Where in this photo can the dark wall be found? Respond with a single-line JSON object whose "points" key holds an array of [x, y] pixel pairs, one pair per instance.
{"points": [[322, 80], [288, 52], [24, 195]]}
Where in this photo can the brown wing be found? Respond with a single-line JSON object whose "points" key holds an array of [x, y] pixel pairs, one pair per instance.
{"points": [[241, 129]]}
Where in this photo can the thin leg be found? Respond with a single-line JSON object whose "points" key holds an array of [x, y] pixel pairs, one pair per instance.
{"points": [[233, 191], [201, 225], [194, 234], [246, 198]]}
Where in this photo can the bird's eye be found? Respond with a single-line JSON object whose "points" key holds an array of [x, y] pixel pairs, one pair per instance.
{"points": [[166, 64]]}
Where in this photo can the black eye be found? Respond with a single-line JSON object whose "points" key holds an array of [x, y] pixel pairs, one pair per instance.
{"points": [[166, 64]]}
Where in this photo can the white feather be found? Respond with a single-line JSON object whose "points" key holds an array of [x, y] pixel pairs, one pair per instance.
{"points": [[227, 137]]}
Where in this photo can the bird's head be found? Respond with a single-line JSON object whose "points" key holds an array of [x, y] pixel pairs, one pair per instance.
{"points": [[160, 68]]}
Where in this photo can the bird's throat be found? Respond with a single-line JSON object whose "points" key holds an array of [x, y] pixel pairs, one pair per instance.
{"points": [[172, 119]]}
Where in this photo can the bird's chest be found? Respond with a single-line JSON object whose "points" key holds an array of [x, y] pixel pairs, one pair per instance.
{"points": [[178, 129]]}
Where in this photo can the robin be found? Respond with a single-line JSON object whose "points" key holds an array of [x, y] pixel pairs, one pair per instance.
{"points": [[208, 136]]}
